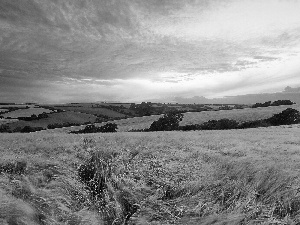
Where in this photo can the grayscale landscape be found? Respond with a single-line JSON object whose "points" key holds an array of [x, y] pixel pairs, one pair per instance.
{"points": [[151, 112]]}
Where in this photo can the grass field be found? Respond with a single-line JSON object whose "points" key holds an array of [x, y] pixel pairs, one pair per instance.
{"points": [[247, 114], [5, 121], [93, 111], [240, 115], [61, 117], [26, 112], [203, 177], [16, 106]]}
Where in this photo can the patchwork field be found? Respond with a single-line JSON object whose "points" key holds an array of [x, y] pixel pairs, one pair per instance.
{"points": [[87, 108], [203, 177], [26, 112], [6, 121], [247, 114], [240, 115], [61, 117], [16, 106]]}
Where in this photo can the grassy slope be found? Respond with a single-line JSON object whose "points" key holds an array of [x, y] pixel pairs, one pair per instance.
{"points": [[247, 114], [94, 111], [26, 112], [200, 168], [62, 117]]}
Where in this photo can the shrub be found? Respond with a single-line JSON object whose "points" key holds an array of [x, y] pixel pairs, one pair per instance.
{"points": [[170, 121], [108, 128], [286, 117], [98, 175], [254, 124], [222, 124], [266, 104], [91, 128], [28, 129], [18, 167], [4, 128], [282, 102], [189, 127], [60, 125]]}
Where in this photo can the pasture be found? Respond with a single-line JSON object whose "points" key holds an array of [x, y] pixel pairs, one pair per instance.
{"points": [[240, 115], [26, 112], [21, 106], [202, 177], [88, 109], [58, 118]]}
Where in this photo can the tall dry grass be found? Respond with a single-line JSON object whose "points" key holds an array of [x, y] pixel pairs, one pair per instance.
{"points": [[147, 180]]}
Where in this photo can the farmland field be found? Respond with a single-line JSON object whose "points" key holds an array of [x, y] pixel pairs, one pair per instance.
{"points": [[17, 106], [5, 121], [247, 114], [26, 112], [61, 117], [93, 111], [240, 115], [200, 177], [3, 110]]}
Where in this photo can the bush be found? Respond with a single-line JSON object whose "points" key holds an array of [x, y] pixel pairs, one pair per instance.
{"points": [[28, 129], [108, 128], [60, 125], [266, 104], [189, 127], [222, 124], [254, 124], [286, 117], [18, 167], [275, 103], [4, 128], [282, 102], [99, 176], [170, 121], [91, 128]]}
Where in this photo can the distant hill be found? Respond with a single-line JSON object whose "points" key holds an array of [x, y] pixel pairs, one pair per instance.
{"points": [[289, 93]]}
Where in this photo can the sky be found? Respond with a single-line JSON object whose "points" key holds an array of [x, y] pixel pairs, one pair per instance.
{"points": [[135, 50]]}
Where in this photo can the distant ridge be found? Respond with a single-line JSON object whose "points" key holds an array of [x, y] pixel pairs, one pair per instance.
{"points": [[289, 93]]}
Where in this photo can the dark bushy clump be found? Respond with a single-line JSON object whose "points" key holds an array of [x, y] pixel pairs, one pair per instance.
{"points": [[18, 167], [107, 128], [222, 124], [116, 203], [286, 117], [170, 121]]}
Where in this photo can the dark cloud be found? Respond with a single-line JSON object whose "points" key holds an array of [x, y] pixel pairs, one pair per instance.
{"points": [[265, 58], [46, 42]]}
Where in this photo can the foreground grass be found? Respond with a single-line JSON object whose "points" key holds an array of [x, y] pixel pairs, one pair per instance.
{"points": [[206, 177]]}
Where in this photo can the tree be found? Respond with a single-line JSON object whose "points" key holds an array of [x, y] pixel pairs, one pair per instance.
{"points": [[286, 117], [222, 124], [109, 128], [4, 128], [170, 121], [91, 128]]}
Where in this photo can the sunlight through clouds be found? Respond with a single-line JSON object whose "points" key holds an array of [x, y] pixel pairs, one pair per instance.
{"points": [[139, 50]]}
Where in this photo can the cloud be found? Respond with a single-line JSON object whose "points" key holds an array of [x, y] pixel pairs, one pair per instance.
{"points": [[289, 89], [106, 49]]}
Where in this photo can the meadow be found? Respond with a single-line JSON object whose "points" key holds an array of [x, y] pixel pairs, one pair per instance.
{"points": [[26, 112], [240, 115], [56, 118], [228, 177], [88, 109]]}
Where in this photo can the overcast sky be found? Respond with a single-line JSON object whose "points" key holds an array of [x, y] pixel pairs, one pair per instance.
{"points": [[134, 50]]}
